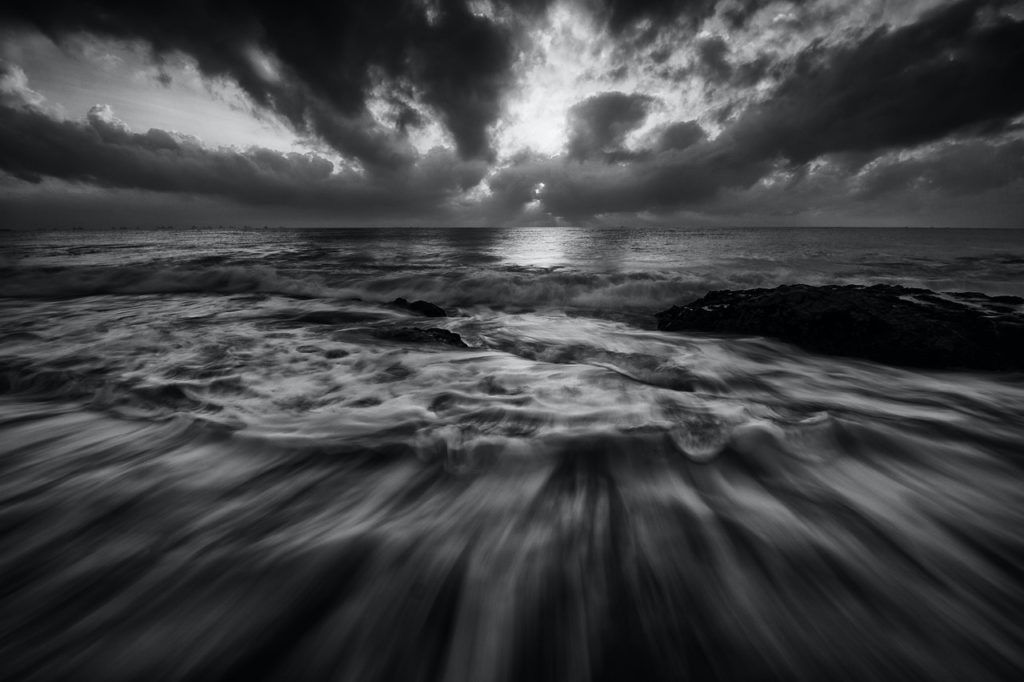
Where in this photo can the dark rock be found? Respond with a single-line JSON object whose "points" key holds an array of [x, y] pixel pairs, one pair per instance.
{"points": [[425, 308], [417, 335], [885, 323], [394, 372]]}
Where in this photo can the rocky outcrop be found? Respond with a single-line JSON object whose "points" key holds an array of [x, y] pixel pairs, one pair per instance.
{"points": [[417, 335], [885, 323], [425, 308]]}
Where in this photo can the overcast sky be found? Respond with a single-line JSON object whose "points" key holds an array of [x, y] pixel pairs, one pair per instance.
{"points": [[444, 112]]}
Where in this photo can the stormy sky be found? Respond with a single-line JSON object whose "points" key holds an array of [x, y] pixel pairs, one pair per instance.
{"points": [[529, 112]]}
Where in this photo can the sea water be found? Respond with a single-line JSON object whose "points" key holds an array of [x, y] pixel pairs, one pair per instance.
{"points": [[217, 463]]}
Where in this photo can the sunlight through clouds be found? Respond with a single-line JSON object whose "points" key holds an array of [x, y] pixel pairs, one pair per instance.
{"points": [[582, 111]]}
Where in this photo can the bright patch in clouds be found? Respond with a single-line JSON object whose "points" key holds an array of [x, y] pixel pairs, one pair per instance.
{"points": [[501, 112], [572, 56], [554, 75], [169, 95]]}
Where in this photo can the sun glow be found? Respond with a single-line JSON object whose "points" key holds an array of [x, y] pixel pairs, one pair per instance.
{"points": [[572, 57], [557, 71]]}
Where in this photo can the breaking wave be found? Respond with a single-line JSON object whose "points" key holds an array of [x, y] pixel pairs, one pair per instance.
{"points": [[493, 530], [149, 279], [217, 466], [510, 288]]}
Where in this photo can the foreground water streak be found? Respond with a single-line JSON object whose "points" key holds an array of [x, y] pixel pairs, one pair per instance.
{"points": [[213, 466]]}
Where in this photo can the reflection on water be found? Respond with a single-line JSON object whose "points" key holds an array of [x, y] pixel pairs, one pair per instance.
{"points": [[537, 247], [214, 467]]}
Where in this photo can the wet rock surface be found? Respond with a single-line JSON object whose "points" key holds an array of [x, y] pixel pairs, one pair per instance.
{"points": [[425, 308], [417, 335], [885, 323]]}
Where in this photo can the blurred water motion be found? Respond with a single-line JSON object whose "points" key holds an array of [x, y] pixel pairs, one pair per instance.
{"points": [[218, 470]]}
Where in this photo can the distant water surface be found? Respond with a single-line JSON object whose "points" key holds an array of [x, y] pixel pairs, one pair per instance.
{"points": [[217, 463]]}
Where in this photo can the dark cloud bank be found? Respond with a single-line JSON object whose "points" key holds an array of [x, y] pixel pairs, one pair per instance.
{"points": [[944, 89]]}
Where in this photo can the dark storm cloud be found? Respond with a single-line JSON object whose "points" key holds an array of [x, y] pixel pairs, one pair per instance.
{"points": [[950, 79], [465, 64], [624, 14], [621, 14], [738, 13], [406, 117], [712, 59], [954, 72], [330, 54], [955, 169], [598, 125], [752, 72], [680, 135], [657, 182], [103, 151]]}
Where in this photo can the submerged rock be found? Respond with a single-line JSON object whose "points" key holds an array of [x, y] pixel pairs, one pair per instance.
{"points": [[425, 308], [885, 323], [417, 335]]}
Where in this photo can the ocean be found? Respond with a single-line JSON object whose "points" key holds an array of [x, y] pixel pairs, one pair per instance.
{"points": [[222, 456]]}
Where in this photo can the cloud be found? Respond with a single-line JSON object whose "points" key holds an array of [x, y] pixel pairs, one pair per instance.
{"points": [[103, 151], [747, 100], [316, 64], [712, 62], [948, 73], [622, 14], [107, 126], [897, 88], [577, 190], [598, 125], [14, 90], [956, 169], [464, 67], [680, 135]]}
